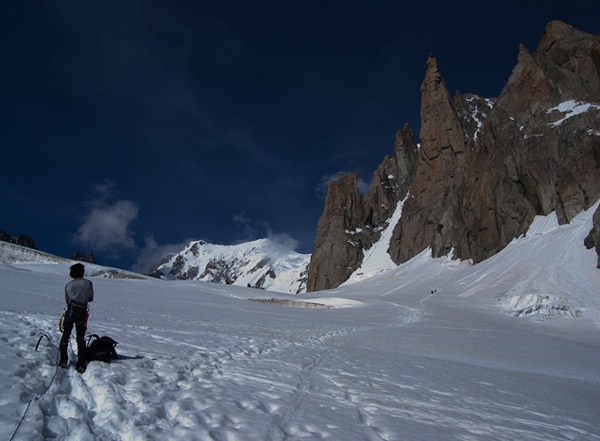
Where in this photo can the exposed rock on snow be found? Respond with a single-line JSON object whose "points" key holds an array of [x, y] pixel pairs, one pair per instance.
{"points": [[593, 238]]}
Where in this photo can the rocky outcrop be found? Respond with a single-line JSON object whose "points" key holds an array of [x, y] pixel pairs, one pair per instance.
{"points": [[593, 239], [351, 222], [529, 157], [392, 180], [432, 214], [485, 168], [337, 253], [540, 147]]}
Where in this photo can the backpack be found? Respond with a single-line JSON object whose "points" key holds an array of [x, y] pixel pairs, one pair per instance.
{"points": [[101, 348]]}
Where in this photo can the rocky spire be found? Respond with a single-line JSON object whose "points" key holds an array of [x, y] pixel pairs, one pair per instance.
{"points": [[431, 216], [336, 255], [485, 168], [575, 51], [352, 223], [392, 179]]}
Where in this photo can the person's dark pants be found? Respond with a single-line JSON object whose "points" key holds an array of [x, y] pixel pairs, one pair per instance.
{"points": [[74, 316]]}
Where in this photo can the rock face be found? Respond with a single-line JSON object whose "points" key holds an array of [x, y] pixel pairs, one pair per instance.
{"points": [[540, 147], [352, 222], [593, 239], [485, 167], [432, 214]]}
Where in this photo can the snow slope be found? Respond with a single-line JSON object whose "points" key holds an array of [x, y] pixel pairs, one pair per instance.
{"points": [[376, 259], [432, 350]]}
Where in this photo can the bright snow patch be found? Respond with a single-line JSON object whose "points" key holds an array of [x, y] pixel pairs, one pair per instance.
{"points": [[543, 224], [337, 302], [571, 108]]}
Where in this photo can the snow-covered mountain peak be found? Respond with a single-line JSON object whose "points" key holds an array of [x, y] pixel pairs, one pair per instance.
{"points": [[263, 263]]}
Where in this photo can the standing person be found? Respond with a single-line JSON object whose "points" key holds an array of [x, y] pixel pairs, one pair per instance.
{"points": [[78, 292]]}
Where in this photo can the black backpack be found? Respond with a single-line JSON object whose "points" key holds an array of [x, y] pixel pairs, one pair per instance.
{"points": [[101, 348]]}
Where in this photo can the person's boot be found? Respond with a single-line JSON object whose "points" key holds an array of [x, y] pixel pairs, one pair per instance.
{"points": [[80, 366]]}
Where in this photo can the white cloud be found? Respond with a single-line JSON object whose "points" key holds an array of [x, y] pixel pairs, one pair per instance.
{"points": [[106, 226], [152, 254], [284, 239], [254, 229]]}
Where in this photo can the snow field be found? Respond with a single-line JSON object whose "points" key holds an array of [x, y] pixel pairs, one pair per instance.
{"points": [[432, 350]]}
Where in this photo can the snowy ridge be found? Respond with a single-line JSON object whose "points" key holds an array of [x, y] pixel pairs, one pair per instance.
{"points": [[11, 253], [263, 264], [429, 350]]}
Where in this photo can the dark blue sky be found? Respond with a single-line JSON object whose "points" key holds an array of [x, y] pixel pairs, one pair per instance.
{"points": [[131, 127]]}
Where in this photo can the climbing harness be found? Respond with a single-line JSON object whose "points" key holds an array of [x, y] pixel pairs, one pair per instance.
{"points": [[61, 321]]}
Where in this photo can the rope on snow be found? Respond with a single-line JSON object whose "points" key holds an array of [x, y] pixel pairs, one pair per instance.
{"points": [[40, 395]]}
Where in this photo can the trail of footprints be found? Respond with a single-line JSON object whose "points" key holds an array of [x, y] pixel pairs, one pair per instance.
{"points": [[160, 397]]}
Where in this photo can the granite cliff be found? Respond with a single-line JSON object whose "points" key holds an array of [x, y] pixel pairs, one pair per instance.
{"points": [[352, 222], [484, 169]]}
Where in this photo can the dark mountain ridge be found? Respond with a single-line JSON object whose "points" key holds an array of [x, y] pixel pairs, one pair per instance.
{"points": [[484, 168]]}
